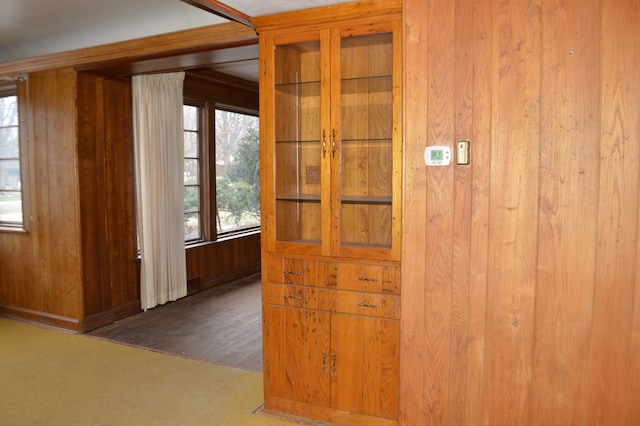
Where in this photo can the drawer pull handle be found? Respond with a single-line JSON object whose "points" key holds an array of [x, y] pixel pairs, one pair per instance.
{"points": [[286, 296], [366, 305], [293, 272], [373, 280]]}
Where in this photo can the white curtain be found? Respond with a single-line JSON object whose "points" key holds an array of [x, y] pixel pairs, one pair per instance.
{"points": [[159, 162]]}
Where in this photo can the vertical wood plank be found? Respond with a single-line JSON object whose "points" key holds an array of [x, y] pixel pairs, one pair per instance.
{"points": [[440, 201], [481, 165], [617, 229], [568, 210], [514, 207], [462, 204], [413, 215]]}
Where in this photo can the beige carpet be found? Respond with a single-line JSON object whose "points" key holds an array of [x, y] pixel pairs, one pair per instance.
{"points": [[49, 377]]}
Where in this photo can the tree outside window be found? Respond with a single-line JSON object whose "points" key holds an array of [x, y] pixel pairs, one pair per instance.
{"points": [[237, 171]]}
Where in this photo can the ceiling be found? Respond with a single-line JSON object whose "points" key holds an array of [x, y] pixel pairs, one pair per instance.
{"points": [[31, 28]]}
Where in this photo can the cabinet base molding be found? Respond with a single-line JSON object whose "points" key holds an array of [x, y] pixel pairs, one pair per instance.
{"points": [[277, 406]]}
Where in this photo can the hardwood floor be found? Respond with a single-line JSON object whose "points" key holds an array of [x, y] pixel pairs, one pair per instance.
{"points": [[222, 325]]}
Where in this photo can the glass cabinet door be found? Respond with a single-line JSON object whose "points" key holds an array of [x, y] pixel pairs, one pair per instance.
{"points": [[298, 134], [366, 143]]}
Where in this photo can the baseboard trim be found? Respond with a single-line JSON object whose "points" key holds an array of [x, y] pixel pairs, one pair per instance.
{"points": [[41, 318], [102, 319]]}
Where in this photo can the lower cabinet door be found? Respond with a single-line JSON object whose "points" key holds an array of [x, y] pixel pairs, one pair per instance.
{"points": [[297, 359], [364, 365]]}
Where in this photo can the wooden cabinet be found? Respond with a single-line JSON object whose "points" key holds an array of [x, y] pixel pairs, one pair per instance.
{"points": [[331, 130], [330, 113], [332, 340]]}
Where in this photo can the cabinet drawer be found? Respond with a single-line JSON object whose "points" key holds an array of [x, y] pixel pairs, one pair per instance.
{"points": [[289, 295], [368, 304], [286, 270], [383, 279]]}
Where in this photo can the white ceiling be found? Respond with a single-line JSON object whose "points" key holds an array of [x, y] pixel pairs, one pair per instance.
{"points": [[30, 28]]}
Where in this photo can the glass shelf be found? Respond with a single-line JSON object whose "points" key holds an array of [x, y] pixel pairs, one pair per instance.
{"points": [[302, 142], [297, 84], [302, 198], [365, 199], [384, 140]]}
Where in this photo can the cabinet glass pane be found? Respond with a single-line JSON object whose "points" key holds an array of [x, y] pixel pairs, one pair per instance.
{"points": [[366, 155], [297, 132]]}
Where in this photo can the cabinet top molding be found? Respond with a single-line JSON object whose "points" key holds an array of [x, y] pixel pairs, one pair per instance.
{"points": [[328, 14]]}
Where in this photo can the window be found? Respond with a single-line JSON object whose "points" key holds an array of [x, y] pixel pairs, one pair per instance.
{"points": [[221, 173], [237, 171], [192, 216], [10, 181]]}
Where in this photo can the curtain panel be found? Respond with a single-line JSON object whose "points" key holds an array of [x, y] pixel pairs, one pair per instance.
{"points": [[159, 163]]}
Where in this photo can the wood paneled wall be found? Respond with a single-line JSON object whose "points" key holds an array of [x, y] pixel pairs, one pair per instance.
{"points": [[105, 164], [521, 286], [215, 263], [77, 265], [41, 268]]}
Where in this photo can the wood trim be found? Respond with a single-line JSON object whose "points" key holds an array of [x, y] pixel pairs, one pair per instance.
{"points": [[329, 15], [221, 9], [40, 318], [277, 406], [188, 41], [112, 315]]}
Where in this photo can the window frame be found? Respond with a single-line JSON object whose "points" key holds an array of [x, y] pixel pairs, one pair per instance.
{"points": [[207, 163], [205, 194], [17, 86]]}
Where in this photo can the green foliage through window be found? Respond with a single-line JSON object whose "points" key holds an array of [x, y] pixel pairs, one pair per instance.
{"points": [[236, 174], [237, 171]]}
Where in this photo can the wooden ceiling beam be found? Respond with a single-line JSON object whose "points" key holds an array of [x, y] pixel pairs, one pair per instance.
{"points": [[221, 9]]}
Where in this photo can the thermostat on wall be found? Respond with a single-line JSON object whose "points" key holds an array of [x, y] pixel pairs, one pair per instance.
{"points": [[437, 155]]}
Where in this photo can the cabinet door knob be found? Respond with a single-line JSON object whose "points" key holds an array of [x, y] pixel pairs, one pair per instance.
{"points": [[324, 143], [367, 305], [333, 143]]}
